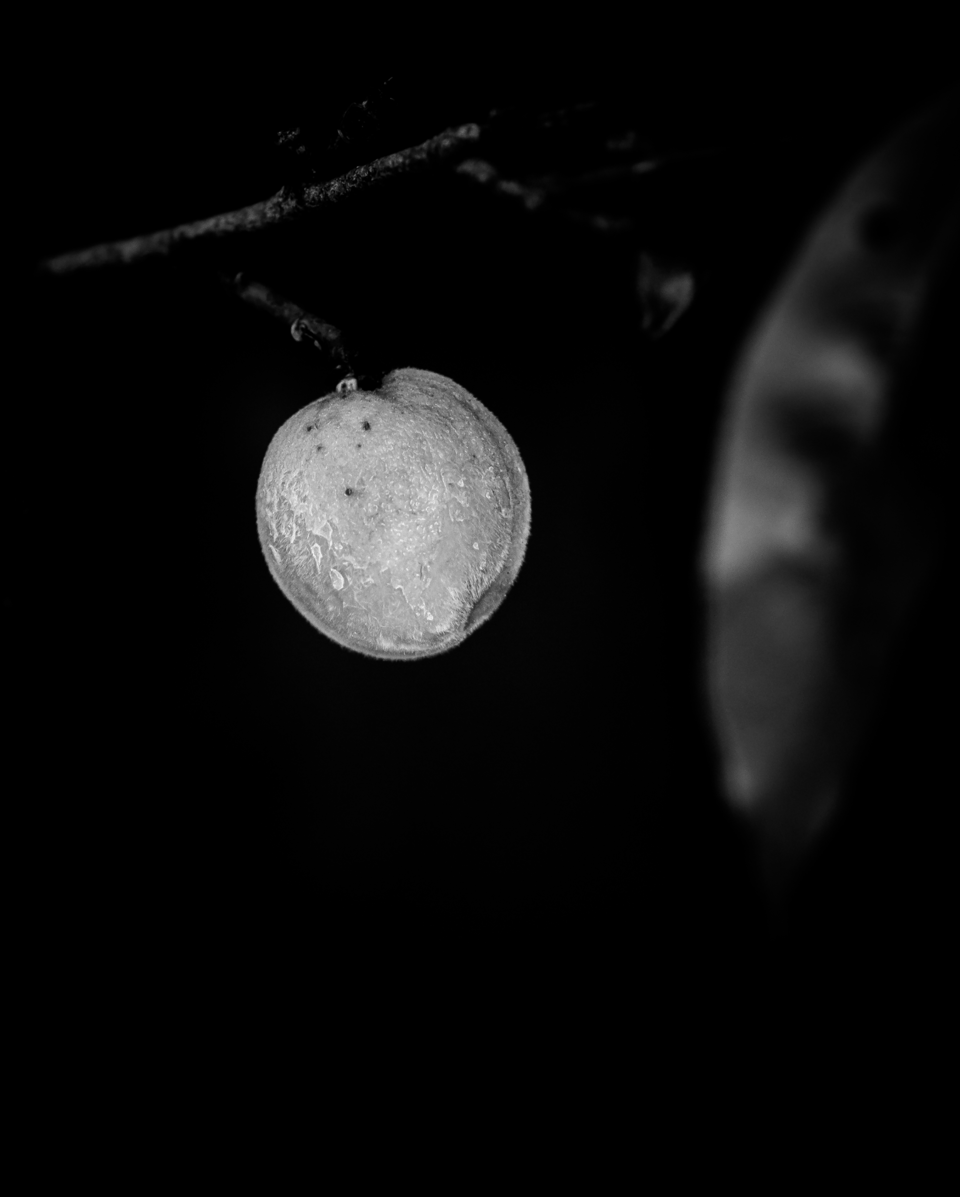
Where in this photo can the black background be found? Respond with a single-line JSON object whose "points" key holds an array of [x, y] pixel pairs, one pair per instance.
{"points": [[226, 810]]}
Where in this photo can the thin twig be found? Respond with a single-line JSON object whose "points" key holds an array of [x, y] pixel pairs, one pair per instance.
{"points": [[290, 203], [489, 176], [601, 222], [283, 206], [303, 325], [614, 174], [533, 196]]}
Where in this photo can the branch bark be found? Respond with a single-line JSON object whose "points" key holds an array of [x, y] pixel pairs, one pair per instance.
{"points": [[303, 325], [534, 195], [291, 203], [284, 206]]}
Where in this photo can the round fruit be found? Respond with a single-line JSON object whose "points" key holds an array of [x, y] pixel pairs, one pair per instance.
{"points": [[394, 520]]}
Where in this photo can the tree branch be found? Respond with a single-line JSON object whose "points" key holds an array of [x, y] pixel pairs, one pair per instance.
{"points": [[303, 325], [282, 207], [533, 196], [488, 175], [292, 202]]}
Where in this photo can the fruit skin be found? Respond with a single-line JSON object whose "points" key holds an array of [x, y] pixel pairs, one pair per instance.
{"points": [[395, 520]]}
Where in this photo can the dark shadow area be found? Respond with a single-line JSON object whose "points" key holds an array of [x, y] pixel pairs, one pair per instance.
{"points": [[252, 818]]}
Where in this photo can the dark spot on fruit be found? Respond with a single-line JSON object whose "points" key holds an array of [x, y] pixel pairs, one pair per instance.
{"points": [[881, 227], [308, 428], [366, 425], [348, 491]]}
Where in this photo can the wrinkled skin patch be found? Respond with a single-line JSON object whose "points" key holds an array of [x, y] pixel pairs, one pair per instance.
{"points": [[389, 517]]}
